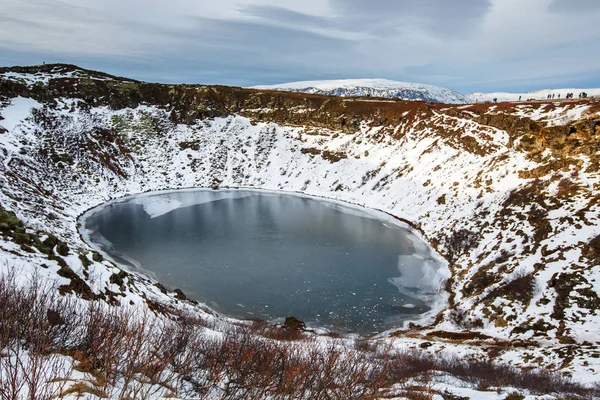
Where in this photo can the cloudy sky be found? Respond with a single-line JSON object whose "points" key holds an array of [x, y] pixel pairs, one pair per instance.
{"points": [[467, 45]]}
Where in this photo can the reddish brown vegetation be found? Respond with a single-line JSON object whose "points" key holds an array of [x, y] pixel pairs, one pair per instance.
{"points": [[126, 353]]}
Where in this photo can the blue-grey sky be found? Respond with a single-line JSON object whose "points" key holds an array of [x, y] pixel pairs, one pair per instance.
{"points": [[466, 45]]}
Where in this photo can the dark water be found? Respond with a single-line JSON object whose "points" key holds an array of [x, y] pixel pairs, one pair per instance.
{"points": [[258, 255]]}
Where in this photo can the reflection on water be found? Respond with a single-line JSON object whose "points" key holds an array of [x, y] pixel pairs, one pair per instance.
{"points": [[257, 255]]}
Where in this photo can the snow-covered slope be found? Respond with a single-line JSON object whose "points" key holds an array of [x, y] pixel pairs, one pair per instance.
{"points": [[508, 194], [41, 74], [536, 95], [373, 88]]}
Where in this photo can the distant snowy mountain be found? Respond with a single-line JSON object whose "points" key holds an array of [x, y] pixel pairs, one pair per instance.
{"points": [[536, 95], [374, 88]]}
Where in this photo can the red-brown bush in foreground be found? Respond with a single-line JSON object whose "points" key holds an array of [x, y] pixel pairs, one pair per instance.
{"points": [[130, 353]]}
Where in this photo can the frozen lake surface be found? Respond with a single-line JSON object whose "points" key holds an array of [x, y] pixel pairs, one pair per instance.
{"points": [[251, 254]]}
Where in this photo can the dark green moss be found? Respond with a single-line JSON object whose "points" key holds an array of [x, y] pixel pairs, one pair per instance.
{"points": [[51, 241], [97, 257], [58, 259], [520, 289], [180, 295], [84, 260], [9, 221], [21, 238], [77, 285], [514, 396], [62, 249], [43, 248], [564, 284], [119, 278]]}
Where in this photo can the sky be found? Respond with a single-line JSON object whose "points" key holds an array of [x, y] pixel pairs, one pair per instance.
{"points": [[465, 45]]}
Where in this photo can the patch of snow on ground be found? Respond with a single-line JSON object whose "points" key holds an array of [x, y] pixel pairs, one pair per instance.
{"points": [[18, 110]]}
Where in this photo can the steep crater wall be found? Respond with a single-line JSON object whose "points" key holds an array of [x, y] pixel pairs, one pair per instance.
{"points": [[507, 193]]}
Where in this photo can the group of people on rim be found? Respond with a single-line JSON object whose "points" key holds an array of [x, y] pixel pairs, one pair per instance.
{"points": [[582, 95], [551, 96]]}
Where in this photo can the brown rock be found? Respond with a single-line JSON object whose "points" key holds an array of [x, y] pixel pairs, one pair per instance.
{"points": [[54, 318], [294, 324]]}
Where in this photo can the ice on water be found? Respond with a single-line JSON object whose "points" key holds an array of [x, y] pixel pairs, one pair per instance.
{"points": [[159, 204]]}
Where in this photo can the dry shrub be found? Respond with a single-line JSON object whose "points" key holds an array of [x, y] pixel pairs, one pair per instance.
{"points": [[28, 366], [275, 332], [485, 374], [131, 353], [567, 188], [460, 242], [521, 289], [481, 280]]}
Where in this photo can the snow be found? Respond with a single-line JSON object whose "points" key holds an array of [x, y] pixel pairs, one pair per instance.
{"points": [[45, 77], [372, 87], [18, 110], [29, 78], [562, 114], [404, 175], [428, 279], [345, 84], [535, 95]]}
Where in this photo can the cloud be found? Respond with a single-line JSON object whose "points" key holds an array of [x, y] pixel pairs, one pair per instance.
{"points": [[63, 28], [441, 17], [244, 42], [464, 44], [280, 15], [574, 6]]}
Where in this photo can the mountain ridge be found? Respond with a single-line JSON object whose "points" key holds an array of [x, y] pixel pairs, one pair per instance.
{"points": [[383, 88], [58, 70]]}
